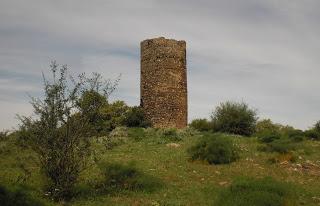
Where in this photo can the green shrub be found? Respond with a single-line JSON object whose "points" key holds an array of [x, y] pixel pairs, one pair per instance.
{"points": [[136, 118], [201, 125], [16, 196], [215, 149], [266, 126], [291, 133], [282, 145], [312, 134], [267, 131], [268, 136], [278, 138], [90, 105], [294, 132], [59, 130], [296, 135], [234, 118], [119, 177], [257, 192], [114, 114]]}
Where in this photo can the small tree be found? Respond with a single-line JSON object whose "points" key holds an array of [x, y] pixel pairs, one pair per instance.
{"points": [[90, 104], [59, 133], [114, 114], [235, 118], [94, 99]]}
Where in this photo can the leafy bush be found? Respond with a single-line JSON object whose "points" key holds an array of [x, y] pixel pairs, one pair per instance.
{"points": [[59, 133], [119, 177], [282, 145], [201, 125], [296, 135], [312, 134], [294, 132], [215, 149], [268, 136], [266, 125], [268, 131], [16, 196], [234, 118], [90, 104], [278, 138], [257, 192], [114, 114], [136, 118]]}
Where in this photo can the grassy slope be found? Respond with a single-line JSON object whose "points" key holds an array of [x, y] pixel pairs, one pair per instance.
{"points": [[185, 182]]}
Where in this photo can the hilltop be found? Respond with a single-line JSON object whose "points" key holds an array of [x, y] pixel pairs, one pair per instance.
{"points": [[165, 174]]}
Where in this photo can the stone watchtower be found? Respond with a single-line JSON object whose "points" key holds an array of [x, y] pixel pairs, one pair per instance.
{"points": [[164, 82]]}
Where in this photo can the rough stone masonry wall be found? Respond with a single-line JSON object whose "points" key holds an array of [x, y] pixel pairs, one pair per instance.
{"points": [[164, 82]]}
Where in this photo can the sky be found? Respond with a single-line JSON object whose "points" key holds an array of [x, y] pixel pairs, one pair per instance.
{"points": [[262, 52]]}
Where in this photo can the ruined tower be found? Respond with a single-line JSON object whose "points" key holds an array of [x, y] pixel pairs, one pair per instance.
{"points": [[164, 82]]}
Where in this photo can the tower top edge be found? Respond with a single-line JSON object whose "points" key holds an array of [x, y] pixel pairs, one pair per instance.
{"points": [[162, 40]]}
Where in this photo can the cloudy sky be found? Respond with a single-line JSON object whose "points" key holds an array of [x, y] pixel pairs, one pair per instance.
{"points": [[263, 52]]}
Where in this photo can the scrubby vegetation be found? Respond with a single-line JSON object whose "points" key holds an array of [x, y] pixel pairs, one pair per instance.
{"points": [[202, 125], [266, 125], [280, 145], [136, 118], [314, 133], [279, 138], [234, 118], [215, 149], [162, 174], [59, 133]]}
